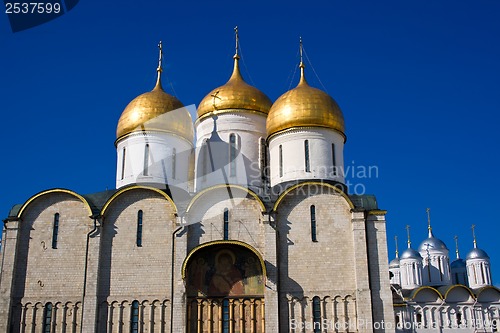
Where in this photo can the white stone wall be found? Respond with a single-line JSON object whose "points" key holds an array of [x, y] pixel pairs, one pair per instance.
{"points": [[206, 218], [478, 273], [160, 162], [44, 274], [320, 155], [380, 288], [249, 128], [435, 268], [411, 273], [396, 275], [450, 317], [335, 268], [326, 268], [128, 272]]}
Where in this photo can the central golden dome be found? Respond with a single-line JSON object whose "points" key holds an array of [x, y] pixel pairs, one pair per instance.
{"points": [[304, 106], [156, 111], [235, 94]]}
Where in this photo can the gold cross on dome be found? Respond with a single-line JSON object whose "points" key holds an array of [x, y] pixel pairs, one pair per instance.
{"points": [[215, 95]]}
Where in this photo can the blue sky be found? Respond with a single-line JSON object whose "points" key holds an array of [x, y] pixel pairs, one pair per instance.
{"points": [[418, 82]]}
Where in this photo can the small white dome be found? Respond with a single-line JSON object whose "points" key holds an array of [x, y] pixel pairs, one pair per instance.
{"points": [[432, 243], [477, 254], [394, 263], [410, 253]]}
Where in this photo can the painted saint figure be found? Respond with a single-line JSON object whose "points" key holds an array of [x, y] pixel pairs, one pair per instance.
{"points": [[253, 279], [227, 279], [197, 277]]}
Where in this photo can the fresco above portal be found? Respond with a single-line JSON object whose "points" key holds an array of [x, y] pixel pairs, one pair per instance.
{"points": [[221, 270]]}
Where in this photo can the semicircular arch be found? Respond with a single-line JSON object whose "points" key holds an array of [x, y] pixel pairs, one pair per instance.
{"points": [[55, 190], [312, 183], [136, 187]]}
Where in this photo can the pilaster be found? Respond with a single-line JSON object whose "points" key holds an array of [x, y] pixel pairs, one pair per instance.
{"points": [[178, 294], [90, 306], [9, 249], [379, 280], [363, 295], [271, 288]]}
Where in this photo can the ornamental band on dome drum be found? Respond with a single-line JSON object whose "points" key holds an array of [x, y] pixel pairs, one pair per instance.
{"points": [[247, 228]]}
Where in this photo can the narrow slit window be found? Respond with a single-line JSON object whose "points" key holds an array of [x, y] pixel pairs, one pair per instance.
{"points": [[232, 154], [174, 157], [316, 308], [263, 158], [313, 224], [55, 230], [306, 155], [138, 240], [440, 270], [419, 319], [47, 318], [225, 315], [123, 162], [334, 161], [280, 157], [146, 160], [226, 224], [134, 317], [204, 161]]}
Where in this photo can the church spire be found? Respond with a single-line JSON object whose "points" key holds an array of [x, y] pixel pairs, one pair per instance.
{"points": [[474, 235], [301, 64], [236, 69], [456, 246], [396, 241], [408, 234], [429, 228], [237, 41], [159, 69]]}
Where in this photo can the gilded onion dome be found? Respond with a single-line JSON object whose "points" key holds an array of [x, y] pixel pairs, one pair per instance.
{"points": [[156, 111], [235, 94], [304, 106]]}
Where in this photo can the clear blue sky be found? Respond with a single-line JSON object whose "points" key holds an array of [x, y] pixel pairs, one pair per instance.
{"points": [[418, 82]]}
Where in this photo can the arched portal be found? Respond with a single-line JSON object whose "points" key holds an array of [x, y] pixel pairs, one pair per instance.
{"points": [[225, 288]]}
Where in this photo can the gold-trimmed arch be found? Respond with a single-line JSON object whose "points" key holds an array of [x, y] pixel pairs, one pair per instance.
{"points": [[54, 190], [223, 242], [458, 286], [481, 290], [136, 187], [215, 187], [290, 189], [415, 293]]}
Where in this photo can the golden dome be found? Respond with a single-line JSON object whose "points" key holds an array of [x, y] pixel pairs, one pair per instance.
{"points": [[235, 94], [156, 111], [304, 106]]}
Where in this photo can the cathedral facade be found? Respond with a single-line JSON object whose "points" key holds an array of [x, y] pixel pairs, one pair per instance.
{"points": [[247, 228]]}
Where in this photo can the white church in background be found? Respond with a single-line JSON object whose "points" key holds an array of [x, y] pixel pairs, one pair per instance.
{"points": [[247, 228], [432, 295]]}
